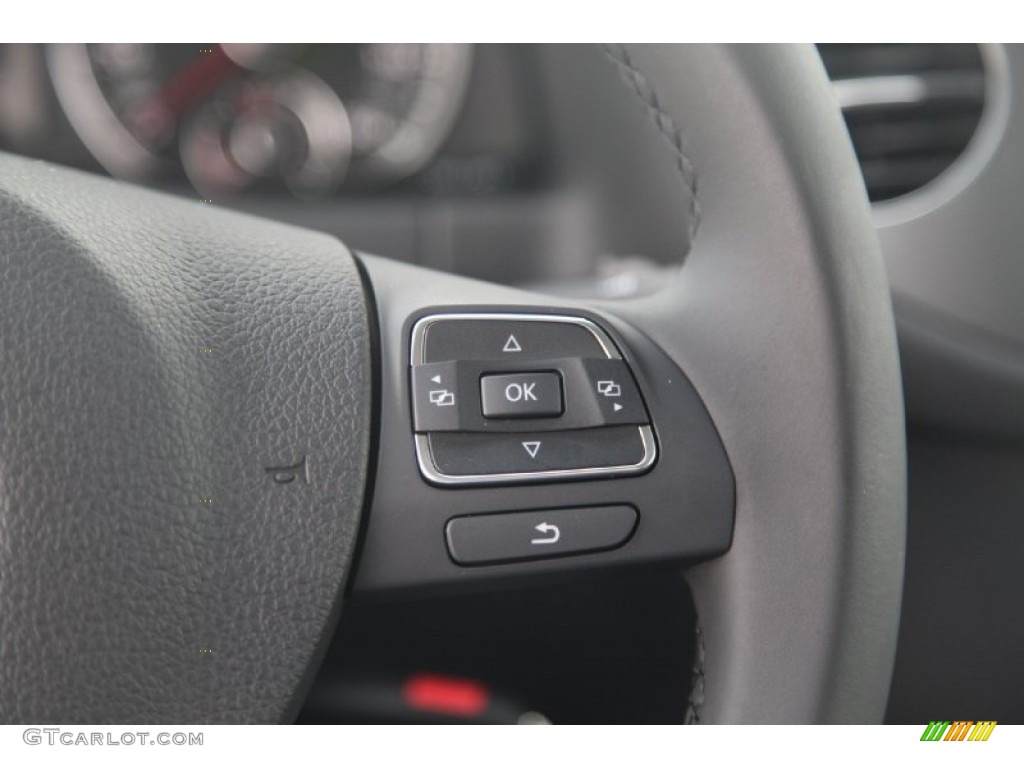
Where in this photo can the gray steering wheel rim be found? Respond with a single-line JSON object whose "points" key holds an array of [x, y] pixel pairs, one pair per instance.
{"points": [[799, 620]]}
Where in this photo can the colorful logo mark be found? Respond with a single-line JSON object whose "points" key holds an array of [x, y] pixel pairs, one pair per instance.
{"points": [[958, 730]]}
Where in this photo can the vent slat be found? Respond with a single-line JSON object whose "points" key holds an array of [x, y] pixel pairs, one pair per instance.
{"points": [[858, 60], [890, 137], [911, 109]]}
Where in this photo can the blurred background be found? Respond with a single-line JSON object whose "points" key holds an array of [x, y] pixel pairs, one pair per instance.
{"points": [[455, 156]]}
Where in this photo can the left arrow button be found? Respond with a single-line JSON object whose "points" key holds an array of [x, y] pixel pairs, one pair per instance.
{"points": [[436, 398]]}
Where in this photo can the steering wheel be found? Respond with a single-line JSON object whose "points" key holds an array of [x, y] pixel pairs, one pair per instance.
{"points": [[202, 412]]}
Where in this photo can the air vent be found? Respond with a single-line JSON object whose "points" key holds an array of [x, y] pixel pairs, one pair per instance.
{"points": [[911, 108]]}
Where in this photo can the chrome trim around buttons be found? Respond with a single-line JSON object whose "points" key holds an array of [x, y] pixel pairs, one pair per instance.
{"points": [[423, 456], [433, 475]]}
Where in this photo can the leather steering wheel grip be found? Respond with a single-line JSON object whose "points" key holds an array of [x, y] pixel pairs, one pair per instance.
{"points": [[782, 319]]}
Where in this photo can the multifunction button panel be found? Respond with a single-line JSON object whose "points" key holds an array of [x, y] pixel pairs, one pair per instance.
{"points": [[504, 398]]}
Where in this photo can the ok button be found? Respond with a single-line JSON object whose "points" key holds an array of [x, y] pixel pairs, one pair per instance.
{"points": [[521, 395]]}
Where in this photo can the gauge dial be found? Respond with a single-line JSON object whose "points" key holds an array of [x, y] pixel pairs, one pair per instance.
{"points": [[234, 117], [289, 126]]}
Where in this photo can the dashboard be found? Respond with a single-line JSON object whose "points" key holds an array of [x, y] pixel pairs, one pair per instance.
{"points": [[316, 135], [404, 149], [225, 120]]}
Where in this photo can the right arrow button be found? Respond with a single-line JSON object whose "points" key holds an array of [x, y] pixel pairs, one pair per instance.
{"points": [[611, 388]]}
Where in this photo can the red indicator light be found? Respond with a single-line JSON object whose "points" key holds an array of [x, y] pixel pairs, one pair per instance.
{"points": [[445, 695]]}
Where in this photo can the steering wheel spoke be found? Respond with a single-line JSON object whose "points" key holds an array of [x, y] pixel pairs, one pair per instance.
{"points": [[462, 497]]}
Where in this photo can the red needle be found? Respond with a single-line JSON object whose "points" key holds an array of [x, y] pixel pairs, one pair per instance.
{"points": [[195, 81], [182, 92]]}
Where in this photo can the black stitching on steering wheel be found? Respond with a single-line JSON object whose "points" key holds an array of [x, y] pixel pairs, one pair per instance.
{"points": [[696, 699], [665, 125]]}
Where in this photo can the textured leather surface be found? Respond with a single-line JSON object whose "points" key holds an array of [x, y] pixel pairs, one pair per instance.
{"points": [[156, 356], [781, 317]]}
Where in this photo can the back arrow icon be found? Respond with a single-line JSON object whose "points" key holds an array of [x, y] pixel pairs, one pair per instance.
{"points": [[552, 534]]}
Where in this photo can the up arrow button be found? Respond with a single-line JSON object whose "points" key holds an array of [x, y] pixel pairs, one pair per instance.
{"points": [[512, 345], [439, 338]]}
